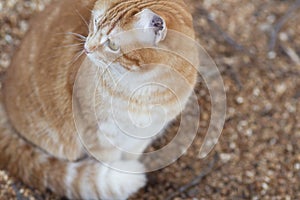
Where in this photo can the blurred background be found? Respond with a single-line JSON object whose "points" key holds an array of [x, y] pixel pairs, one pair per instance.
{"points": [[256, 45]]}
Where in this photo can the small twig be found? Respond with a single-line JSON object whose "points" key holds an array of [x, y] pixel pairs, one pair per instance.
{"points": [[235, 77], [219, 30], [278, 26], [18, 194], [291, 53], [2, 75], [197, 180], [261, 8], [226, 37]]}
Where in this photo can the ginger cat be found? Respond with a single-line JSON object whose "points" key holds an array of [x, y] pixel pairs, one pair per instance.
{"points": [[48, 81]]}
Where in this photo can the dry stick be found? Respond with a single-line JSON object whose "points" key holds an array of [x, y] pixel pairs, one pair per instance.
{"points": [[235, 77], [2, 75], [278, 26], [220, 31], [291, 53], [229, 40], [197, 180], [19, 196]]}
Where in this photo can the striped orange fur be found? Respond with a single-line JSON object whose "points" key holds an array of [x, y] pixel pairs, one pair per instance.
{"points": [[38, 139]]}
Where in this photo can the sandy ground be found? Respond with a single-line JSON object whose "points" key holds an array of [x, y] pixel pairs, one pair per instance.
{"points": [[256, 46]]}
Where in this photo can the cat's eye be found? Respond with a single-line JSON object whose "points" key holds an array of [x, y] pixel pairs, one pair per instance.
{"points": [[96, 21], [95, 24], [112, 45]]}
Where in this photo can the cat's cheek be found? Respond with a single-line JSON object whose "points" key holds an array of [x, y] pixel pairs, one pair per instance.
{"points": [[95, 59]]}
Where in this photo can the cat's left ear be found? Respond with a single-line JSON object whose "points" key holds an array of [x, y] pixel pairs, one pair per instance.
{"points": [[152, 21]]}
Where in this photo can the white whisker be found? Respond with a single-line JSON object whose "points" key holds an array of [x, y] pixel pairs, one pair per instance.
{"points": [[106, 69], [70, 45], [76, 57], [87, 25], [80, 40], [110, 74], [79, 36], [76, 34]]}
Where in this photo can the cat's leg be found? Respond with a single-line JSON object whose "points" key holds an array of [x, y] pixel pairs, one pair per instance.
{"points": [[120, 184], [134, 153], [58, 146], [106, 155], [67, 152], [100, 146], [91, 180]]}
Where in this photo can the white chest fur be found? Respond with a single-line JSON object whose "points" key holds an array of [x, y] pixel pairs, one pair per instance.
{"points": [[132, 108]]}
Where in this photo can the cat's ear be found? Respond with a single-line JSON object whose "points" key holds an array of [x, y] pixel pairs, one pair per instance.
{"points": [[147, 19]]}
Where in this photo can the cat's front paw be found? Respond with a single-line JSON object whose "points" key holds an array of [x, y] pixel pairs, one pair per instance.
{"points": [[120, 184]]}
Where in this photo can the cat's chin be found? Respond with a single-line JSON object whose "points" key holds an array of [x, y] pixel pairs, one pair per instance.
{"points": [[117, 67], [96, 60]]}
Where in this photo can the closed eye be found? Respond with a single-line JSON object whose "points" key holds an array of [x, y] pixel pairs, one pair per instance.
{"points": [[113, 46], [96, 21]]}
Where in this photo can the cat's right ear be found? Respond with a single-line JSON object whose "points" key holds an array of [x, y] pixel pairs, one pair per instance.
{"points": [[147, 19]]}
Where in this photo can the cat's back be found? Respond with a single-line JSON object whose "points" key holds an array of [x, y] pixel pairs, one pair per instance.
{"points": [[38, 83]]}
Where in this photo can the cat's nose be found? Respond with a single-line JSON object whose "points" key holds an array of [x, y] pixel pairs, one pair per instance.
{"points": [[86, 50], [158, 23], [89, 50]]}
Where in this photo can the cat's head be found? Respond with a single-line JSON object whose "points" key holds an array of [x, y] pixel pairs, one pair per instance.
{"points": [[115, 25]]}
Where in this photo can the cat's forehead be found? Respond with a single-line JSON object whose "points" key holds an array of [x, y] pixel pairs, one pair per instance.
{"points": [[98, 13], [101, 7], [115, 10], [109, 22]]}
